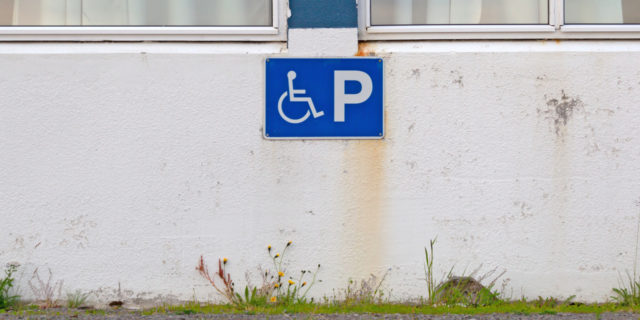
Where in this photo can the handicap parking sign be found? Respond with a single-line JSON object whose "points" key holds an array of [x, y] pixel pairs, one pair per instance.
{"points": [[324, 98]]}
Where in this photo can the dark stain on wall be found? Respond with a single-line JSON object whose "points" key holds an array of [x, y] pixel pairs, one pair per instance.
{"points": [[561, 110]]}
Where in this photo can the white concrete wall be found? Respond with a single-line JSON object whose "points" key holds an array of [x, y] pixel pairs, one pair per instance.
{"points": [[121, 163]]}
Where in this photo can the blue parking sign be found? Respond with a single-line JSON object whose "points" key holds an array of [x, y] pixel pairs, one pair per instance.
{"points": [[324, 98]]}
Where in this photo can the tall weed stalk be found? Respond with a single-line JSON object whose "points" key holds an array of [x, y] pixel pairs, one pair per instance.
{"points": [[629, 293], [47, 292], [428, 271]]}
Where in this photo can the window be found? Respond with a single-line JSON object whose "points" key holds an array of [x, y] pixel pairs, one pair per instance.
{"points": [[602, 11], [140, 19], [499, 19], [461, 12]]}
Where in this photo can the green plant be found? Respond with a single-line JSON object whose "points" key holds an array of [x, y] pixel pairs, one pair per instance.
{"points": [[629, 292], [76, 299], [6, 285], [428, 270]]}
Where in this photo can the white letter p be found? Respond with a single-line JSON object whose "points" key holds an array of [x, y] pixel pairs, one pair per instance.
{"points": [[341, 97]]}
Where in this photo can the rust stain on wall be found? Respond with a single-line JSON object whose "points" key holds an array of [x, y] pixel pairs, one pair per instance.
{"points": [[365, 49], [365, 214], [560, 195]]}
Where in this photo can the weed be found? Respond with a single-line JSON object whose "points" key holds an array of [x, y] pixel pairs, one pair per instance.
{"points": [[226, 289], [549, 302], [276, 287], [428, 270], [629, 293], [76, 299], [96, 312], [364, 292], [45, 292], [6, 284], [552, 302], [185, 312], [459, 290], [295, 287], [466, 291]]}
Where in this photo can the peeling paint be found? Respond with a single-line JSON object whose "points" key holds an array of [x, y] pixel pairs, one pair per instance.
{"points": [[77, 231]]}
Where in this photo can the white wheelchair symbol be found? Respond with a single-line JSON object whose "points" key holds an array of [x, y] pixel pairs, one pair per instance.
{"points": [[293, 97]]}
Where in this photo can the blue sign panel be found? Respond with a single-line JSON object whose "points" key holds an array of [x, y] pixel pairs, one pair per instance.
{"points": [[324, 98]]}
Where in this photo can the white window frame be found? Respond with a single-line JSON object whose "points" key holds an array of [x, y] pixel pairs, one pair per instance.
{"points": [[276, 32], [554, 30]]}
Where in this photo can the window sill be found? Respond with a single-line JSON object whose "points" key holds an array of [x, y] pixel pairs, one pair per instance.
{"points": [[499, 32], [141, 34]]}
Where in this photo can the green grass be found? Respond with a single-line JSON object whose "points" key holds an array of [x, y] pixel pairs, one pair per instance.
{"points": [[76, 299], [391, 308], [516, 307]]}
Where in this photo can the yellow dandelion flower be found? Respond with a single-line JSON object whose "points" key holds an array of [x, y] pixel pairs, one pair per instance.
{"points": [[289, 243], [291, 282], [277, 255], [225, 260], [269, 248], [304, 284], [280, 274], [273, 299], [277, 285]]}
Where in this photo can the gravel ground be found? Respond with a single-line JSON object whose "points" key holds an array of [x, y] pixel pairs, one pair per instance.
{"points": [[133, 316]]}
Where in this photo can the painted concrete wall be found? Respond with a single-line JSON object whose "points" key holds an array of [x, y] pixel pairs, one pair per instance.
{"points": [[121, 164]]}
